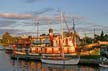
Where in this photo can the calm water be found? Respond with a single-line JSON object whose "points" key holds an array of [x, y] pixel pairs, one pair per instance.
{"points": [[6, 64]]}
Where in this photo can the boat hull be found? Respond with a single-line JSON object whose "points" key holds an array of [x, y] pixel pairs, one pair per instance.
{"points": [[70, 61], [103, 65]]}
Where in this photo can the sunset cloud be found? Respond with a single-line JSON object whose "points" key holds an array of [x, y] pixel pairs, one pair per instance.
{"points": [[15, 16], [23, 25]]}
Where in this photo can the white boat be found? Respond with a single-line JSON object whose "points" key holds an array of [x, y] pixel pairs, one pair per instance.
{"points": [[103, 62], [103, 65], [61, 60]]}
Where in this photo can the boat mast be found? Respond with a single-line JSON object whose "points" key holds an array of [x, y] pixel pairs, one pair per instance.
{"points": [[66, 24], [94, 35], [62, 27], [37, 26], [49, 26], [74, 35], [73, 25], [37, 29]]}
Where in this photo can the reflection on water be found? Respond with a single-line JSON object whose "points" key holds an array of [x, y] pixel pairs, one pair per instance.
{"points": [[6, 64], [27, 66], [38, 66], [61, 67]]}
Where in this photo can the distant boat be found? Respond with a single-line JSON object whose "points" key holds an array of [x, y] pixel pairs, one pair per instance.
{"points": [[61, 60]]}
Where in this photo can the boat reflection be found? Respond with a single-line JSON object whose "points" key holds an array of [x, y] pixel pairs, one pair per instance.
{"points": [[35, 66], [21, 65], [63, 67]]}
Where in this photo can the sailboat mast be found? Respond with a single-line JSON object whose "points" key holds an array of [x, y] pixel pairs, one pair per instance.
{"points": [[74, 35], [37, 25], [49, 26], [37, 29], [73, 25], [62, 27]]}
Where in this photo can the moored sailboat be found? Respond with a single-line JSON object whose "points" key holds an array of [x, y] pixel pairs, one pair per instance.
{"points": [[61, 61]]}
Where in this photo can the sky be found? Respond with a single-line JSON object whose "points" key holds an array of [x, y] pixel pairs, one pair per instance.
{"points": [[19, 17]]}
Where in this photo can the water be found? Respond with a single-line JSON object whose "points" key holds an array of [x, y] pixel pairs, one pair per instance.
{"points": [[6, 64]]}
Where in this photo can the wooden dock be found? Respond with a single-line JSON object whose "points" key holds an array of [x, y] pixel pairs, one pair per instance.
{"points": [[89, 61], [26, 57], [85, 60]]}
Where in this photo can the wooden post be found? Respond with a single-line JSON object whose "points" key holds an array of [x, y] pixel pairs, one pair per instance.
{"points": [[14, 49], [52, 50]]}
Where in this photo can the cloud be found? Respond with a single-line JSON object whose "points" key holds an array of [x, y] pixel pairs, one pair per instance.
{"points": [[15, 16], [11, 31], [43, 20], [37, 15], [42, 11], [4, 23], [32, 1], [56, 19], [28, 33], [17, 31], [25, 16]]}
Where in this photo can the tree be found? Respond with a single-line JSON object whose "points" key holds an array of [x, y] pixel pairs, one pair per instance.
{"points": [[7, 38], [89, 40], [102, 34], [102, 37]]}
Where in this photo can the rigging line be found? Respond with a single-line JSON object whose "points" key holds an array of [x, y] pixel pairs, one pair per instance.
{"points": [[66, 23]]}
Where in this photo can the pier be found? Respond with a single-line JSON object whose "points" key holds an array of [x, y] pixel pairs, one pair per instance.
{"points": [[85, 60]]}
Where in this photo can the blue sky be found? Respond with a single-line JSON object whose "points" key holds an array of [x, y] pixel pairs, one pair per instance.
{"points": [[20, 16]]}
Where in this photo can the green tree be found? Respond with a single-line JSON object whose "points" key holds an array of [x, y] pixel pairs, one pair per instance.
{"points": [[89, 40], [102, 37], [102, 34], [7, 38]]}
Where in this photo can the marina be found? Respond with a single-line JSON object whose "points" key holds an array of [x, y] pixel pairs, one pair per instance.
{"points": [[34, 65], [57, 50], [53, 35]]}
